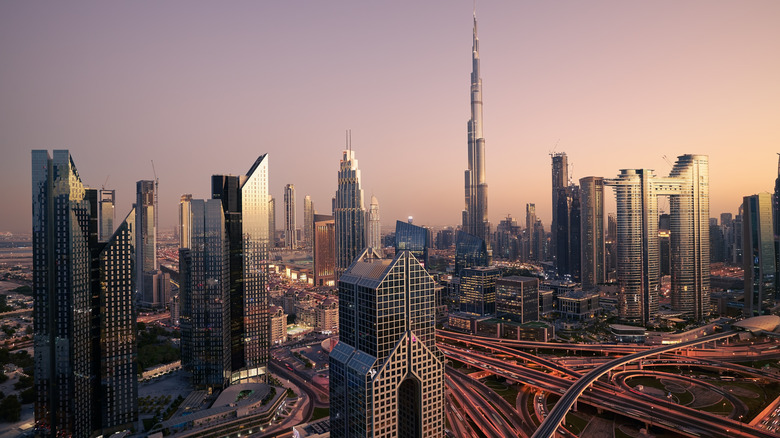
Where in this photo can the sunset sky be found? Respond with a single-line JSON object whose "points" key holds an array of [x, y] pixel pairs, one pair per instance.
{"points": [[204, 88]]}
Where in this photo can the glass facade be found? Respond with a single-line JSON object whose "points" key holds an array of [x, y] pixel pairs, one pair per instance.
{"points": [[517, 298], [324, 250], [410, 237], [80, 288], [759, 248], [106, 214], [470, 250], [349, 213], [478, 290], [145, 233], [592, 231], [290, 221], [386, 373], [308, 222], [374, 237]]}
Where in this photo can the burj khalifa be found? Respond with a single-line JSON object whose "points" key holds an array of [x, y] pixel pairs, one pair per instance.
{"points": [[475, 215]]}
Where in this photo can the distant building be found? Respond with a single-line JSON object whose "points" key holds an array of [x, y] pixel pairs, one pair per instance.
{"points": [[579, 305], [327, 316], [106, 214], [517, 298], [592, 231], [324, 250], [278, 325], [470, 251], [349, 214], [530, 223], [271, 221], [185, 227], [478, 290], [145, 233], [374, 237], [290, 221], [414, 239], [308, 222], [386, 374]]}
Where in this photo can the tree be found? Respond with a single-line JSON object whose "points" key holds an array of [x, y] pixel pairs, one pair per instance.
{"points": [[10, 409]]}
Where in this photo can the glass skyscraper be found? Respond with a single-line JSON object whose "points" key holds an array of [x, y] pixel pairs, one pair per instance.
{"points": [[106, 213], [324, 250], [592, 231], [409, 237], [478, 290], [308, 222], [83, 307], [374, 237], [349, 214], [386, 373], [759, 249], [290, 221], [470, 251], [145, 233]]}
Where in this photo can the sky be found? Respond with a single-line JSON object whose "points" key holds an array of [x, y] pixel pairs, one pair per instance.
{"points": [[204, 88]]}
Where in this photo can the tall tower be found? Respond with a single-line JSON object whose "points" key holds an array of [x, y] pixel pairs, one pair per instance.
{"points": [[185, 221], [374, 238], [475, 215], [560, 180], [84, 308], [290, 223], [592, 231], [324, 250], [145, 234], [530, 222], [759, 260], [308, 221], [386, 373], [245, 203], [350, 213], [271, 221], [204, 268], [106, 213]]}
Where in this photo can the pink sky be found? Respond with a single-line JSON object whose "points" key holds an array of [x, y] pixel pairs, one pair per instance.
{"points": [[205, 87]]}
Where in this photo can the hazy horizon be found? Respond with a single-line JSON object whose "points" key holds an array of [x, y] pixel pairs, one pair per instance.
{"points": [[205, 88]]}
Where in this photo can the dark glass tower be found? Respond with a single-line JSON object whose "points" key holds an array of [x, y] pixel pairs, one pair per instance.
{"points": [[759, 260], [470, 251], [386, 373], [84, 312], [412, 238], [592, 231], [349, 214]]}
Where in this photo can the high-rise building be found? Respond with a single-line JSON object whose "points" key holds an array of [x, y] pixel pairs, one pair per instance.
{"points": [[324, 250], [374, 238], [271, 221], [386, 373], [204, 270], [470, 251], [308, 222], [245, 203], [83, 307], [106, 214], [185, 226], [759, 247], [560, 180], [478, 290], [350, 213], [776, 223], [517, 298], [592, 231], [145, 233], [567, 233], [290, 221], [638, 255], [413, 238], [530, 222], [475, 214]]}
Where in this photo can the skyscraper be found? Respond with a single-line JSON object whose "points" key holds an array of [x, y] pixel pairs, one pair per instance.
{"points": [[638, 255], [475, 215], [185, 221], [308, 222], [530, 222], [592, 231], [324, 250], [290, 221], [386, 373], [567, 232], [106, 214], [470, 251], [83, 307], [374, 238], [245, 203], [350, 213], [560, 180], [413, 238], [204, 268], [759, 248], [271, 221], [478, 290], [145, 233]]}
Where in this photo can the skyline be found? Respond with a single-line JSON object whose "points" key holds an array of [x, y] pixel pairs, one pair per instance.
{"points": [[119, 86]]}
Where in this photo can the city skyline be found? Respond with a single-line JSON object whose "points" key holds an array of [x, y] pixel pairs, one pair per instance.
{"points": [[115, 82]]}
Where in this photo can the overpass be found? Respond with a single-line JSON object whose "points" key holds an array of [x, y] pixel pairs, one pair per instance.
{"points": [[556, 415]]}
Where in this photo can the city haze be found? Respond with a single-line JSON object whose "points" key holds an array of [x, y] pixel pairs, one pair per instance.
{"points": [[205, 88]]}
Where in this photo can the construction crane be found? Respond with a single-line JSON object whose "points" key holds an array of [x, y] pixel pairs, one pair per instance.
{"points": [[103, 187], [668, 161]]}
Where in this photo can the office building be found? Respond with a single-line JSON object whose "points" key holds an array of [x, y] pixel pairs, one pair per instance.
{"points": [[106, 214], [324, 250], [560, 180], [567, 233], [271, 221], [308, 222], [759, 246], [507, 242], [374, 238], [386, 373], [470, 251], [478, 290], [349, 214], [145, 233], [204, 270], [278, 323], [475, 215], [185, 227], [517, 298], [245, 203], [290, 221], [156, 290], [83, 306], [592, 231], [414, 239]]}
